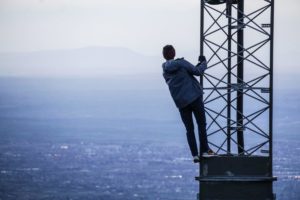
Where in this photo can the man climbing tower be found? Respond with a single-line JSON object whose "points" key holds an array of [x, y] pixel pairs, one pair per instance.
{"points": [[187, 95]]}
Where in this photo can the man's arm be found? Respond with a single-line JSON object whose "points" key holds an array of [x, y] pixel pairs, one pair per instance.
{"points": [[195, 70]]}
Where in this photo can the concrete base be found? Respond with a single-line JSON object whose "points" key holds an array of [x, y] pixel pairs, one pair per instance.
{"points": [[236, 178]]}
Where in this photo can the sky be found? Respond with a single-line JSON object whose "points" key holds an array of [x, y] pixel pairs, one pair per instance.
{"points": [[143, 26]]}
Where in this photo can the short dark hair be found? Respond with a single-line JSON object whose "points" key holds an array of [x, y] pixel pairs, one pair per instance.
{"points": [[168, 52]]}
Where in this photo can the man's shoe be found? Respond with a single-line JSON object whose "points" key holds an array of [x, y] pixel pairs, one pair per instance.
{"points": [[196, 159], [209, 153]]}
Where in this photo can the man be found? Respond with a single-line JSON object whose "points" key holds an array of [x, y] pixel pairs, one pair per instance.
{"points": [[187, 95]]}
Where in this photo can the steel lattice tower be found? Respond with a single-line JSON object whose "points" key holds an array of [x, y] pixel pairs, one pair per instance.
{"points": [[237, 40]]}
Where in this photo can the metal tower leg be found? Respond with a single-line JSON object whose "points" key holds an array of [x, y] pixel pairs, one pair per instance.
{"points": [[229, 35], [240, 76]]}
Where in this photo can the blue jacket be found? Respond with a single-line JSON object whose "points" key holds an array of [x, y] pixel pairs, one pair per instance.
{"points": [[183, 86]]}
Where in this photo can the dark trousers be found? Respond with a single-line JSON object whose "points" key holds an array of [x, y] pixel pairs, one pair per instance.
{"points": [[196, 108]]}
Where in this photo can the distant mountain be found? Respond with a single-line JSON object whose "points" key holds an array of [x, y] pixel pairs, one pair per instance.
{"points": [[108, 62], [90, 61]]}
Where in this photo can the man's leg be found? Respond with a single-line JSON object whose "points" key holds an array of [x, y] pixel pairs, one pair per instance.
{"points": [[199, 113], [187, 119]]}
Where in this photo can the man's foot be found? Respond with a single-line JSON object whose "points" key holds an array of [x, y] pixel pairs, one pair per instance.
{"points": [[209, 153], [196, 159]]}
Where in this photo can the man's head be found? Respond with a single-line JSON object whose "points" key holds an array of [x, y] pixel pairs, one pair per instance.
{"points": [[168, 52]]}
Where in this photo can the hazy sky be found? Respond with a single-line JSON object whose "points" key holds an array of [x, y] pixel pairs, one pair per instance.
{"points": [[141, 25]]}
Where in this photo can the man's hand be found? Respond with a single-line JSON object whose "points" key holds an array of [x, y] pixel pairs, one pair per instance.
{"points": [[201, 59]]}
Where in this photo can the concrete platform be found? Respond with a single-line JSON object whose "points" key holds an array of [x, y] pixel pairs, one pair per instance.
{"points": [[236, 178]]}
